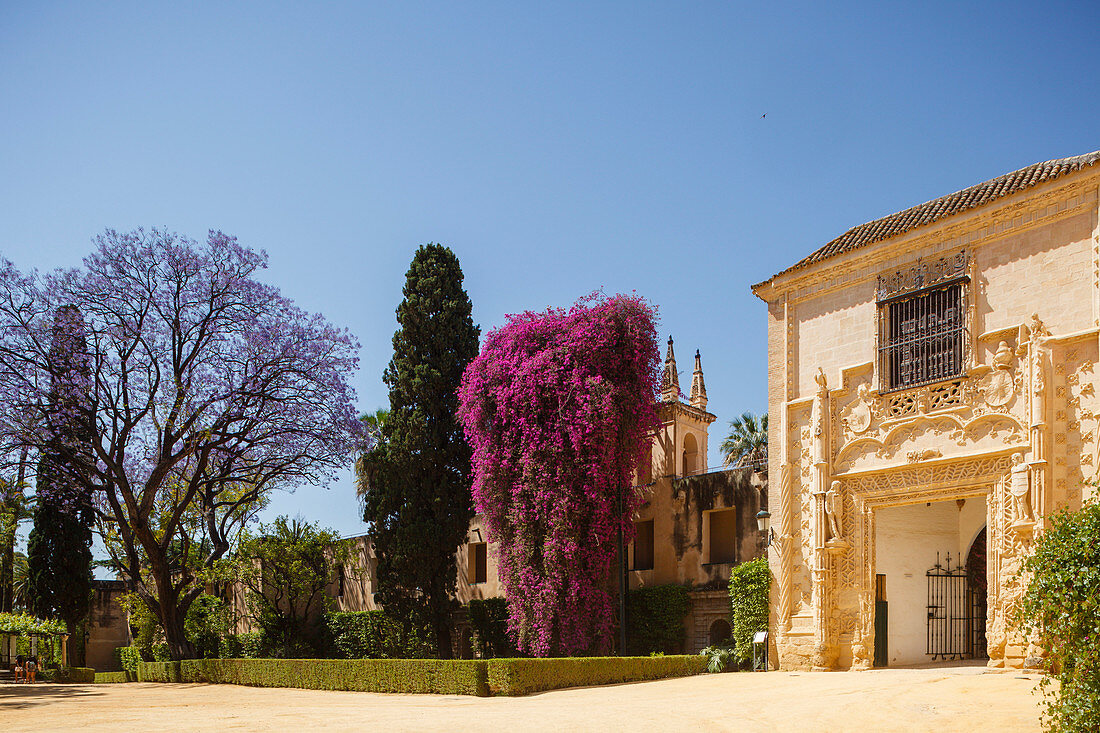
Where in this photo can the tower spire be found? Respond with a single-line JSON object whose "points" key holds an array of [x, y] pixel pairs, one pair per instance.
{"points": [[670, 380], [698, 386]]}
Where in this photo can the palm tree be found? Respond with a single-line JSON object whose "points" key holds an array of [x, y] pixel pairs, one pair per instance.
{"points": [[747, 441], [19, 582]]}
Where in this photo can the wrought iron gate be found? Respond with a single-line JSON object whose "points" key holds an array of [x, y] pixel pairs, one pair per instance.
{"points": [[956, 614]]}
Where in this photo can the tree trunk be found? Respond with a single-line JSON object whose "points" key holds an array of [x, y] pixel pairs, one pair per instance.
{"points": [[171, 619], [443, 636]]}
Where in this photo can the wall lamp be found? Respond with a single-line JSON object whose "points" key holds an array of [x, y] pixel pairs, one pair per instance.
{"points": [[764, 523]]}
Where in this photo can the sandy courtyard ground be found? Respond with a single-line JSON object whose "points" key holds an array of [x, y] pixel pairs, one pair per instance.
{"points": [[952, 699]]}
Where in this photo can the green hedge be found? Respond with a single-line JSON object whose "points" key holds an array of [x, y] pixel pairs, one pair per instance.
{"points": [[81, 675], [524, 676], [655, 619], [129, 657], [449, 677], [158, 672], [375, 635], [749, 585], [111, 677]]}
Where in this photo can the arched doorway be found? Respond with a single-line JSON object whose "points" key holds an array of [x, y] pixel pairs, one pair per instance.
{"points": [[978, 586], [720, 632]]}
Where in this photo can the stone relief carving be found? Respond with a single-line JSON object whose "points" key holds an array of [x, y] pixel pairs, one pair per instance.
{"points": [[834, 510], [857, 415], [1020, 488], [923, 274], [1000, 386]]}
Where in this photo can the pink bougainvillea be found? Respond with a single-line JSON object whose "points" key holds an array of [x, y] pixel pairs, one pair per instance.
{"points": [[557, 408]]}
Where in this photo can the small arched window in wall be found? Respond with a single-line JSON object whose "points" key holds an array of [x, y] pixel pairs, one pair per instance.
{"points": [[690, 456]]}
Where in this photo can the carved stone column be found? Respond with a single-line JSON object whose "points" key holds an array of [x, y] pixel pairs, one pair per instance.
{"points": [[1039, 390], [825, 651]]}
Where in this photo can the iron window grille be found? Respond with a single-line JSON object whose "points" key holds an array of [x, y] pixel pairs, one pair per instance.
{"points": [[923, 333]]}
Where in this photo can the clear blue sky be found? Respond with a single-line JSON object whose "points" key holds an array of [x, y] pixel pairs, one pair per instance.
{"points": [[558, 148]]}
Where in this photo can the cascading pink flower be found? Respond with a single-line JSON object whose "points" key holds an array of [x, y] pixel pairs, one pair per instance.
{"points": [[557, 408]]}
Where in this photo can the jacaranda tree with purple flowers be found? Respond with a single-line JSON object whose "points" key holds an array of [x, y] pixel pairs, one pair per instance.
{"points": [[206, 388], [557, 408]]}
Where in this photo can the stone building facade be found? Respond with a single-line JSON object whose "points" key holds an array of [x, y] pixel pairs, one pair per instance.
{"points": [[932, 395]]}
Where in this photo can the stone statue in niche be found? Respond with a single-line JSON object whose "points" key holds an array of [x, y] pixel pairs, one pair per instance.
{"points": [[1019, 487], [857, 416], [1000, 384], [834, 510]]}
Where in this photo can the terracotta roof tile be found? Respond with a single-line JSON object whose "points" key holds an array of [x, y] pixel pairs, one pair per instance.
{"points": [[955, 203]]}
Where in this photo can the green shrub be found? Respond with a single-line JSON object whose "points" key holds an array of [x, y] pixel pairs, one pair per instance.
{"points": [[128, 658], [749, 585], [252, 645], [207, 621], [81, 675], [110, 677], [159, 672], [1062, 604], [375, 635], [524, 676], [449, 677], [655, 619], [489, 621], [718, 657]]}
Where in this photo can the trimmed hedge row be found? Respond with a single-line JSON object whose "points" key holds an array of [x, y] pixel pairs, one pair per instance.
{"points": [[159, 672], [68, 674], [524, 676], [448, 677], [102, 678]]}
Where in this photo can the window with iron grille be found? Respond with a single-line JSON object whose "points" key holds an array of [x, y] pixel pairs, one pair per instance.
{"points": [[923, 336]]}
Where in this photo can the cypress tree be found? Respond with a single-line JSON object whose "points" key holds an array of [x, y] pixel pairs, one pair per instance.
{"points": [[59, 557], [416, 481]]}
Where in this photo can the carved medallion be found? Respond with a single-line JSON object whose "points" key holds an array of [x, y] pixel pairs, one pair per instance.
{"points": [[857, 415], [999, 385]]}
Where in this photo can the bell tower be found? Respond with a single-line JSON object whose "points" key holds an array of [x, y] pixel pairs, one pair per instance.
{"points": [[681, 443]]}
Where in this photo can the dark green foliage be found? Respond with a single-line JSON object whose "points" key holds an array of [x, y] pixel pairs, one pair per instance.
{"points": [[1062, 603], [524, 676], [376, 635], [102, 678], [81, 675], [207, 621], [252, 645], [655, 619], [749, 585], [128, 658], [284, 570], [489, 621], [416, 481], [159, 672], [59, 555], [446, 677], [59, 564]]}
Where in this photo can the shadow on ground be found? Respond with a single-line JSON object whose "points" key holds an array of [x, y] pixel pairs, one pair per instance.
{"points": [[15, 696]]}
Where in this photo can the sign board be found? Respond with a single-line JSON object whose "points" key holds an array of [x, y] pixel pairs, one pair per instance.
{"points": [[760, 637]]}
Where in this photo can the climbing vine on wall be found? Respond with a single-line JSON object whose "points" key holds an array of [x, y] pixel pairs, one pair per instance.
{"points": [[557, 408]]}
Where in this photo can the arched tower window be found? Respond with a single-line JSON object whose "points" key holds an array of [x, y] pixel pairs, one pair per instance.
{"points": [[690, 455]]}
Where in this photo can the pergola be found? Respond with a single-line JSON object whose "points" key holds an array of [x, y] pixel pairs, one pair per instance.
{"points": [[15, 625]]}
